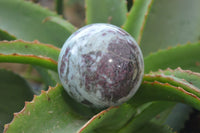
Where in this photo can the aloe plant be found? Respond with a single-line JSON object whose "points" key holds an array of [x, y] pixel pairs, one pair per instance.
{"points": [[166, 31]]}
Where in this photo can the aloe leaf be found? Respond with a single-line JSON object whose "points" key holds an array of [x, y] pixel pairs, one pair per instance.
{"points": [[145, 116], [126, 112], [109, 120], [106, 11], [185, 79], [14, 90], [29, 48], [29, 52], [4, 35], [44, 55], [175, 78], [177, 117], [63, 23], [31, 22], [29, 59], [173, 81], [136, 19], [184, 56], [170, 23], [34, 22], [49, 77], [51, 112], [155, 128], [147, 91], [191, 77], [177, 90], [176, 94]]}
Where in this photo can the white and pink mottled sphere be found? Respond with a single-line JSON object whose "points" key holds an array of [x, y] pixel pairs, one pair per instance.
{"points": [[101, 65]]}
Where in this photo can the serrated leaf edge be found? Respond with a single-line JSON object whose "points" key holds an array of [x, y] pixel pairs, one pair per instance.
{"points": [[178, 88], [97, 116], [181, 81], [16, 115], [31, 43], [170, 48], [144, 21]]}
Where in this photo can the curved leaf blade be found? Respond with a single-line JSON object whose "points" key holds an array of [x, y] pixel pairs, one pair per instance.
{"points": [[178, 78], [29, 48], [155, 128], [31, 24], [29, 59], [177, 90], [173, 81], [14, 90], [65, 24], [106, 11], [136, 19], [170, 23], [106, 121], [143, 118], [57, 113], [177, 117], [175, 94], [184, 56], [34, 53], [189, 76], [49, 77]]}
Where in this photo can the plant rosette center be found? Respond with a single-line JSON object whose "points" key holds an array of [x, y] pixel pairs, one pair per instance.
{"points": [[101, 65]]}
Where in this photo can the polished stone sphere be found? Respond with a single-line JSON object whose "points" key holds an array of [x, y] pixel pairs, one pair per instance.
{"points": [[101, 65]]}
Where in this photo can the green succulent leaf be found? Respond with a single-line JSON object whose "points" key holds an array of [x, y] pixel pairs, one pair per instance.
{"points": [[28, 21], [176, 94], [177, 117], [107, 122], [175, 78], [14, 90], [147, 91], [144, 116], [51, 112], [106, 11], [29, 48], [155, 128], [177, 90], [189, 76], [131, 116], [4, 35], [54, 111], [34, 53], [184, 56], [170, 23], [128, 120], [63, 23], [136, 19], [173, 81], [50, 77]]}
